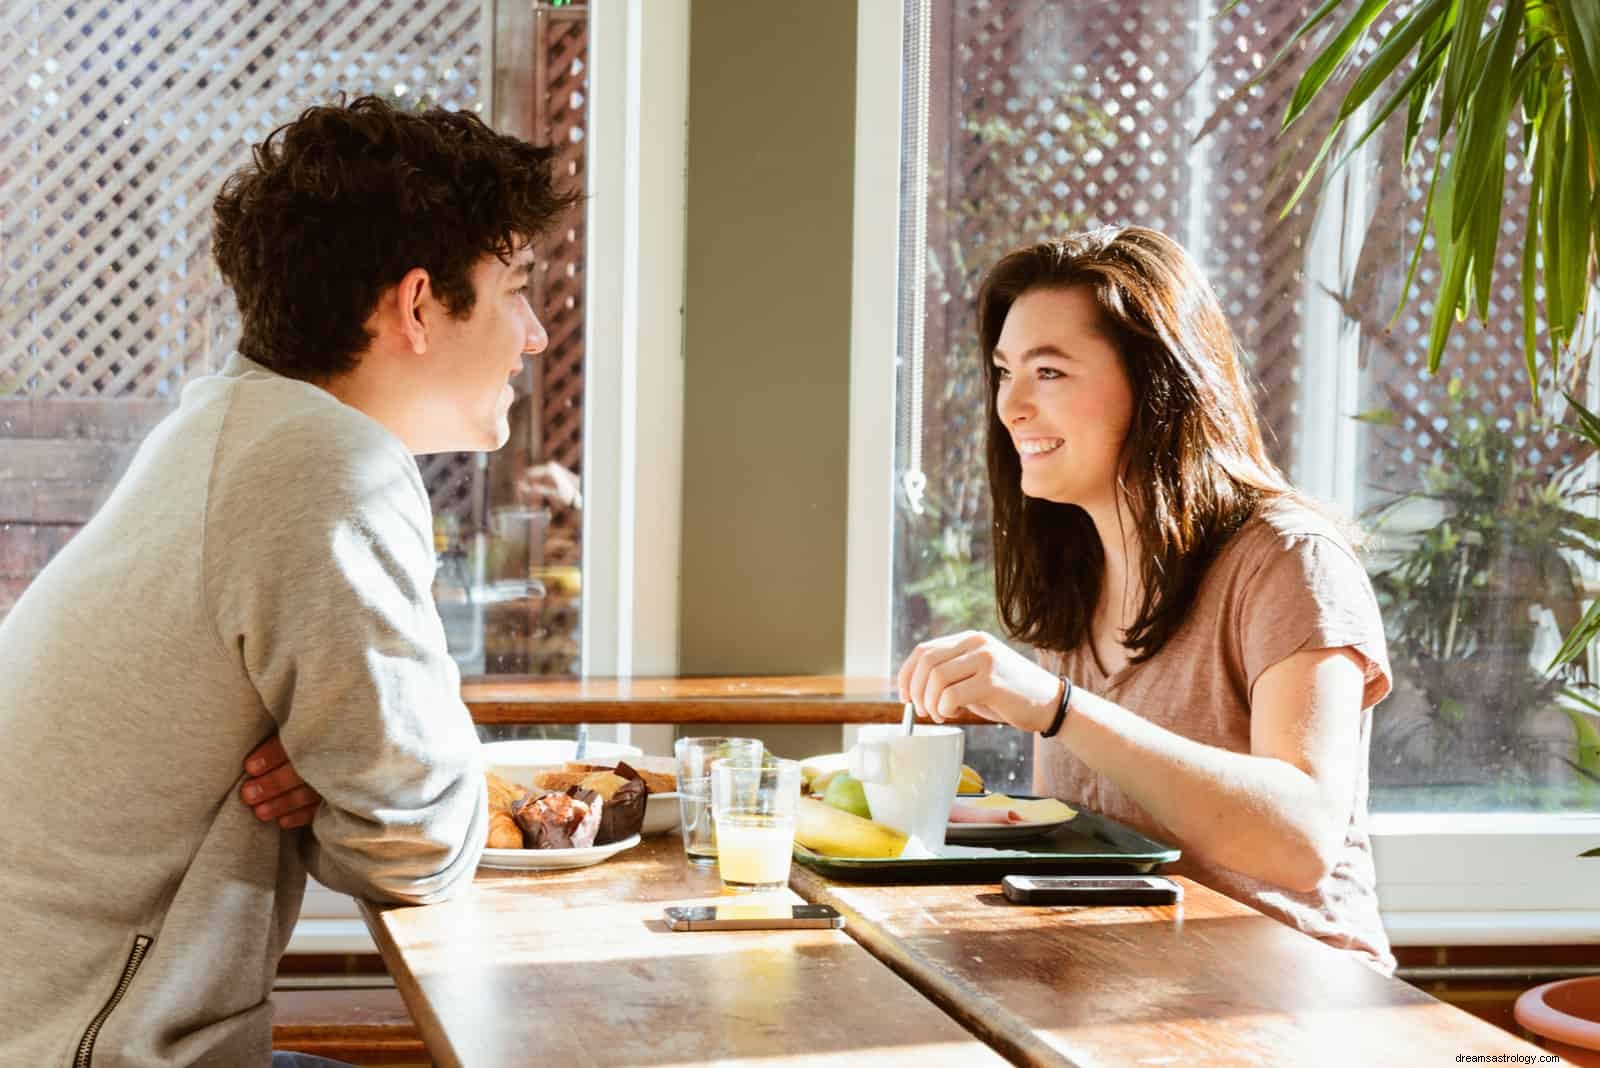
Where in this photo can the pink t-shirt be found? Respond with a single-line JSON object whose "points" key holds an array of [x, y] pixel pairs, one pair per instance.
{"points": [[1286, 581]]}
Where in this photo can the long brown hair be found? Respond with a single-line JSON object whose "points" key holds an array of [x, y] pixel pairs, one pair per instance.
{"points": [[1193, 466]]}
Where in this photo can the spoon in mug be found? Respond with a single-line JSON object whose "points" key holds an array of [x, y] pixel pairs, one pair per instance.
{"points": [[908, 719]]}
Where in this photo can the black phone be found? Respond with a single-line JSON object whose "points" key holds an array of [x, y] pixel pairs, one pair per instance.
{"points": [[756, 916], [1091, 890]]}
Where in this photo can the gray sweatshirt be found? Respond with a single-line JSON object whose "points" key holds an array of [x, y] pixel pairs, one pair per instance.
{"points": [[264, 565]]}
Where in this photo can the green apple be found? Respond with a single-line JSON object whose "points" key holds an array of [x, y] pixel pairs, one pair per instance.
{"points": [[845, 794]]}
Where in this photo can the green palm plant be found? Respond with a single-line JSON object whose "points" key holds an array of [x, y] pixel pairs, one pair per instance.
{"points": [[1534, 67], [1537, 60]]}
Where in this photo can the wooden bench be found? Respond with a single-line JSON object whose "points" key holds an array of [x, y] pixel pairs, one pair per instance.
{"points": [[367, 1026]]}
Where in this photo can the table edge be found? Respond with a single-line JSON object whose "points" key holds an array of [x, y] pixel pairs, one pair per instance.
{"points": [[429, 1027]]}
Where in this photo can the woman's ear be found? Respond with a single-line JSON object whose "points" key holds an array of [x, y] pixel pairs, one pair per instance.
{"points": [[409, 295]]}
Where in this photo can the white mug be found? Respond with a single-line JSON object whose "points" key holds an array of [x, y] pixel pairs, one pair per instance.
{"points": [[910, 779]]}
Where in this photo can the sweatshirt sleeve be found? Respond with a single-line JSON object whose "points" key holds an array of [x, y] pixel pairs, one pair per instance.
{"points": [[319, 568]]}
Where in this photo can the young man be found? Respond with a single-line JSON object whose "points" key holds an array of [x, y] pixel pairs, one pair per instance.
{"points": [[263, 570]]}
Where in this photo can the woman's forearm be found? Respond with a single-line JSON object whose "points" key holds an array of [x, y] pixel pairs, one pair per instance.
{"points": [[1258, 815]]}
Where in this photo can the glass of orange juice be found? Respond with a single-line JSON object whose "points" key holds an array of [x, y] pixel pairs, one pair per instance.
{"points": [[753, 802]]}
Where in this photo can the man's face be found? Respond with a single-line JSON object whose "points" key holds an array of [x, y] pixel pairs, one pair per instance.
{"points": [[474, 359]]}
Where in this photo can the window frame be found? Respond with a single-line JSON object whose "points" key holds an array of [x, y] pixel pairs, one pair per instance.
{"points": [[1444, 878], [633, 333]]}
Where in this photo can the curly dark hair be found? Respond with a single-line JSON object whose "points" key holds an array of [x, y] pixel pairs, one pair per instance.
{"points": [[340, 203]]}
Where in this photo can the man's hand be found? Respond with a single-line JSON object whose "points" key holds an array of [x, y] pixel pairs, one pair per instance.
{"points": [[274, 790], [549, 482]]}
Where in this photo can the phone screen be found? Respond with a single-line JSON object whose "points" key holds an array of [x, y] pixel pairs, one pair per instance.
{"points": [[754, 916]]}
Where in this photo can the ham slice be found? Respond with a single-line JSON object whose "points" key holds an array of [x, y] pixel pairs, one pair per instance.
{"points": [[1003, 810], [962, 812]]}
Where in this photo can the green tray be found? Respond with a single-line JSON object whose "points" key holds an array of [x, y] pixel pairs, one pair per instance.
{"points": [[1087, 844]]}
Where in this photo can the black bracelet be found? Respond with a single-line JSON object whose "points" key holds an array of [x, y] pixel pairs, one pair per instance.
{"points": [[1061, 709]]}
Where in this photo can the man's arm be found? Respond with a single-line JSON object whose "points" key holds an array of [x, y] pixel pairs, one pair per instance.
{"points": [[323, 590]]}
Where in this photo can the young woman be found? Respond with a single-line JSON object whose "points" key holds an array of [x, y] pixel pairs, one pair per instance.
{"points": [[1209, 646]]}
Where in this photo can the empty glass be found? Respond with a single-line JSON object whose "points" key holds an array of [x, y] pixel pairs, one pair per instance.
{"points": [[694, 789]]}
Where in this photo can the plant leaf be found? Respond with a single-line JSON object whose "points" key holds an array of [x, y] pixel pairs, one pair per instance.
{"points": [[1574, 260], [1422, 234], [1312, 22], [1581, 20], [1427, 65], [1485, 239], [1422, 96], [1578, 639], [1328, 60], [1311, 171], [1396, 47], [1460, 65], [1587, 738], [1552, 149], [1453, 259], [1588, 422], [1530, 288], [1476, 157]]}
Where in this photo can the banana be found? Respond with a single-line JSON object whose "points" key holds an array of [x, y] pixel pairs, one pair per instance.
{"points": [[836, 833]]}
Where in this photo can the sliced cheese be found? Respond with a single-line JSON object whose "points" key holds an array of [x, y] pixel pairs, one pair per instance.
{"points": [[1036, 810]]}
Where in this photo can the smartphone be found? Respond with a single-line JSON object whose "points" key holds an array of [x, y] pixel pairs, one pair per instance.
{"points": [[1091, 890], [753, 917]]}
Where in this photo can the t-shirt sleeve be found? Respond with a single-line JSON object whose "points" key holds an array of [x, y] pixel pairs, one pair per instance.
{"points": [[322, 586], [1312, 593]]}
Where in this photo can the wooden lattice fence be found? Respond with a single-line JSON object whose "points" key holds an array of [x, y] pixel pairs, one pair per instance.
{"points": [[1046, 118], [119, 122]]}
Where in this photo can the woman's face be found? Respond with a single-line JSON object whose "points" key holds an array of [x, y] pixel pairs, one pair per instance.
{"points": [[1063, 397]]}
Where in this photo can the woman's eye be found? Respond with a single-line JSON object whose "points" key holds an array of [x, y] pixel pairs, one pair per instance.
{"points": [[1050, 372], [1001, 373]]}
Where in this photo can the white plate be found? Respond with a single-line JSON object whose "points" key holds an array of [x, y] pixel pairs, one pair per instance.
{"points": [[660, 813], [548, 859], [985, 833], [517, 761], [982, 833]]}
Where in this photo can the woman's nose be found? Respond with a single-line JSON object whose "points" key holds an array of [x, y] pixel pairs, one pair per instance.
{"points": [[1012, 404]]}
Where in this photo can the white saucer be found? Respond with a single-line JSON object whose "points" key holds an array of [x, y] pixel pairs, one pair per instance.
{"points": [[986, 833], [549, 859], [983, 833]]}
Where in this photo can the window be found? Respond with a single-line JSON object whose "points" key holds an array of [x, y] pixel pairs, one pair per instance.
{"points": [[509, 523], [1027, 119], [126, 124]]}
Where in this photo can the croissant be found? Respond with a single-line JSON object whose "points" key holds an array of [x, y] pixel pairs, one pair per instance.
{"points": [[503, 830]]}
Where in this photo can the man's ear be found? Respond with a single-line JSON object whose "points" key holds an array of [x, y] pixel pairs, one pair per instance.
{"points": [[409, 294]]}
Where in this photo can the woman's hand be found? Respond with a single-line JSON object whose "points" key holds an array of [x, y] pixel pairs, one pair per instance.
{"points": [[979, 672], [274, 790]]}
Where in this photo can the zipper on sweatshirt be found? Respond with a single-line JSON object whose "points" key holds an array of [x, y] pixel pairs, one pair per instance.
{"points": [[141, 946]]}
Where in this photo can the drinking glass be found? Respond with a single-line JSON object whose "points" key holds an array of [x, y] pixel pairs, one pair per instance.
{"points": [[754, 803], [694, 789]]}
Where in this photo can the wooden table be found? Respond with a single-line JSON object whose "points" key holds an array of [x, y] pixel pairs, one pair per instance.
{"points": [[576, 968], [770, 699], [1207, 982]]}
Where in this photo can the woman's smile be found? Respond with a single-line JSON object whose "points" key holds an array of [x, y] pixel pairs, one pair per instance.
{"points": [[1037, 448]]}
